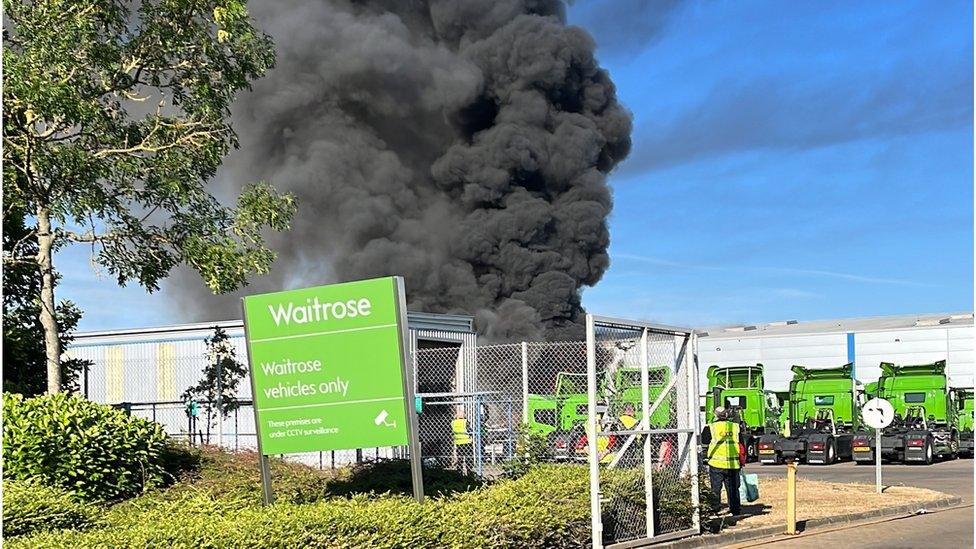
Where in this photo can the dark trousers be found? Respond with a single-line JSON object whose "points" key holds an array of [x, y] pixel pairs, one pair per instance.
{"points": [[730, 478]]}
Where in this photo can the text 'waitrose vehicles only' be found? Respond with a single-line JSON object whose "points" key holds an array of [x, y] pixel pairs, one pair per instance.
{"points": [[823, 413], [925, 416]]}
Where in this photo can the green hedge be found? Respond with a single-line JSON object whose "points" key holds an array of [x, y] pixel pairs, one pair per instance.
{"points": [[29, 507], [547, 507], [91, 450], [235, 476]]}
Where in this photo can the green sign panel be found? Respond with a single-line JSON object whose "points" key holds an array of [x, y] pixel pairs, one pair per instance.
{"points": [[327, 367]]}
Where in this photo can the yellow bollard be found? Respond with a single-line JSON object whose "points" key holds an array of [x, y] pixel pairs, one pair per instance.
{"points": [[791, 498]]}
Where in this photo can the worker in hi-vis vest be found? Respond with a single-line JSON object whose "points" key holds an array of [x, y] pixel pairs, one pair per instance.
{"points": [[605, 444], [627, 419], [604, 455], [725, 456], [463, 458]]}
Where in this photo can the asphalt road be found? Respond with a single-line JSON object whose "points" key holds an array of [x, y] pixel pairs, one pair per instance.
{"points": [[946, 528]]}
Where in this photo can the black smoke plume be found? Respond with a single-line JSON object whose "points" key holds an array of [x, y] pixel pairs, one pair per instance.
{"points": [[462, 144]]}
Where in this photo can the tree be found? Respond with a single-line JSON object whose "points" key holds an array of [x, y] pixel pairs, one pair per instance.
{"points": [[23, 344], [116, 115], [221, 377]]}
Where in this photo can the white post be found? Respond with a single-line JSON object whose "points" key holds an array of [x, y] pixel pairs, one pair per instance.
{"points": [[596, 524], [646, 424], [691, 371], [525, 383], [877, 460], [220, 402]]}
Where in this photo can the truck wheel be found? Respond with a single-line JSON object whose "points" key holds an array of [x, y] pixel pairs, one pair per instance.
{"points": [[928, 452], [831, 452]]}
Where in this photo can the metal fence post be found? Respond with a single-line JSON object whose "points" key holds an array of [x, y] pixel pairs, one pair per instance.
{"points": [[511, 432], [596, 524], [525, 382], [220, 404], [478, 448], [646, 424], [691, 361]]}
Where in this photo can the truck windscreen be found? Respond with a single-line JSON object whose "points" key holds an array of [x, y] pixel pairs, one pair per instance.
{"points": [[735, 401]]}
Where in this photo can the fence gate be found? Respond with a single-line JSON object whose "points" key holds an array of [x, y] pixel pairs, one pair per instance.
{"points": [[643, 407]]}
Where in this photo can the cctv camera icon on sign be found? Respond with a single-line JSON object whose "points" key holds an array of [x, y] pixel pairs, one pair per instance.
{"points": [[381, 419]]}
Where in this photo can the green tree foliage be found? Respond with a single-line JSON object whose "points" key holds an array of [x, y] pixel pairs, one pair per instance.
{"points": [[221, 377], [23, 340], [116, 115]]}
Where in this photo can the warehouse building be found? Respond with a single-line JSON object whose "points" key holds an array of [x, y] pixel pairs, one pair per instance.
{"points": [[146, 370], [866, 342]]}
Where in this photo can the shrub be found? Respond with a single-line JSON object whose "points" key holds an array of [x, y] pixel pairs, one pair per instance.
{"points": [[393, 475], [532, 448], [93, 451], [236, 476], [178, 458], [545, 508], [219, 508], [673, 507], [29, 506]]}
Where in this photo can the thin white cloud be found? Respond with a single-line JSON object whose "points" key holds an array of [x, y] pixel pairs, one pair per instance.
{"points": [[771, 270], [842, 276], [664, 262]]}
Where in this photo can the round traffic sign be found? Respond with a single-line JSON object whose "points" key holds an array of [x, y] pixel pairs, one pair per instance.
{"points": [[878, 413]]}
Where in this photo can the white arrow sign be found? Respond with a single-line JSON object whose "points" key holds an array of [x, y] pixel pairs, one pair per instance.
{"points": [[878, 413]]}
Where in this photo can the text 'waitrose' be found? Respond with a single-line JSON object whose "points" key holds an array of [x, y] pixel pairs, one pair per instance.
{"points": [[314, 311]]}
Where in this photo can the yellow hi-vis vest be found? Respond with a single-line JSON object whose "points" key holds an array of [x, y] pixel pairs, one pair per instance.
{"points": [[460, 428], [628, 421], [723, 450], [602, 444]]}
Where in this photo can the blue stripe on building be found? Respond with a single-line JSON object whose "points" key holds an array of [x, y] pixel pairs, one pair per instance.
{"points": [[850, 353]]}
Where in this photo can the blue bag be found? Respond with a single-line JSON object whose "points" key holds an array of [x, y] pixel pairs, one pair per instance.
{"points": [[748, 487]]}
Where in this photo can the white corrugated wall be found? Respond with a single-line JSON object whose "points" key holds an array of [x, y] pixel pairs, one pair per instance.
{"points": [[907, 346], [917, 346]]}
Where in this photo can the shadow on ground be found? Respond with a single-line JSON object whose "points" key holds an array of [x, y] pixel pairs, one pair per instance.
{"points": [[721, 522]]}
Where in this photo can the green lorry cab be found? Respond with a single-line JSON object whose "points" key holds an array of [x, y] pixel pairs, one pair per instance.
{"points": [[822, 415], [562, 416], [925, 425], [741, 390], [964, 420]]}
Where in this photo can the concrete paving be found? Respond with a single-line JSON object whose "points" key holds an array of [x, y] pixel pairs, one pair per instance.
{"points": [[946, 528]]}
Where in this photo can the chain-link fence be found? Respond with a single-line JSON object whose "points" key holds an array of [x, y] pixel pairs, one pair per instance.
{"points": [[642, 388], [533, 389], [200, 424], [475, 405]]}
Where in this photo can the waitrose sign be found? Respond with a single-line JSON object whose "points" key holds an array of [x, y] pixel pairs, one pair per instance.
{"points": [[327, 367]]}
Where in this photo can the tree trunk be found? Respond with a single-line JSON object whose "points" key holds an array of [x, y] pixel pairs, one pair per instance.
{"points": [[48, 317]]}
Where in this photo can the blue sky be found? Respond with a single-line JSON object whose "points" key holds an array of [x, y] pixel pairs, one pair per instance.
{"points": [[791, 160]]}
